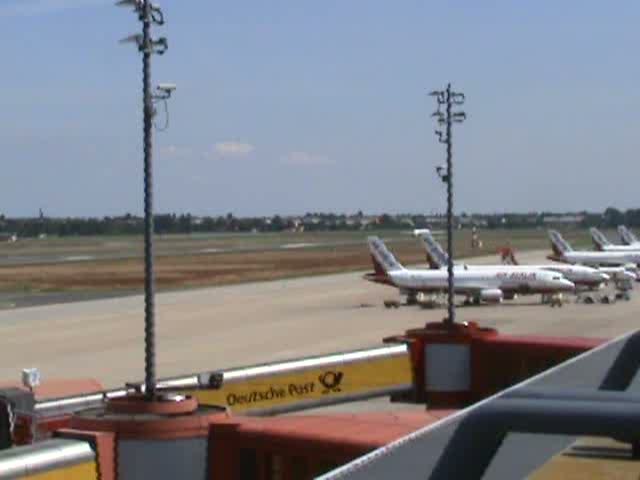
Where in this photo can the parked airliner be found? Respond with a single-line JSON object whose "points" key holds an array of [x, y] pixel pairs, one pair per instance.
{"points": [[627, 237], [487, 285], [562, 252], [580, 275], [602, 243]]}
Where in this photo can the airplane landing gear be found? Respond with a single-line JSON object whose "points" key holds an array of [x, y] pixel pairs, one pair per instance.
{"points": [[557, 300], [554, 300], [412, 298]]}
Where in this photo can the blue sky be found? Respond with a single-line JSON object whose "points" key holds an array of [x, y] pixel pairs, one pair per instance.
{"points": [[295, 106]]}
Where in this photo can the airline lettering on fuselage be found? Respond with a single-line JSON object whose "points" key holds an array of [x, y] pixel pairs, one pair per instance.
{"points": [[517, 275]]}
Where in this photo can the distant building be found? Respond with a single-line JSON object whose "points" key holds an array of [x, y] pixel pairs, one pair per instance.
{"points": [[562, 219], [471, 221], [311, 220], [8, 237], [435, 219]]}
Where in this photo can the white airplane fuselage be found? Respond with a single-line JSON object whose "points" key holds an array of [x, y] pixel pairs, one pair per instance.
{"points": [[619, 273], [599, 258], [621, 248], [471, 281], [578, 274]]}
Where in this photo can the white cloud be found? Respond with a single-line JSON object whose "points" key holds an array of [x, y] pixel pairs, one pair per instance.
{"points": [[232, 149], [306, 159], [39, 7]]}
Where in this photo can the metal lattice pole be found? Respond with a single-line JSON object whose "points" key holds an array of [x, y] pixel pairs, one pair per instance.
{"points": [[149, 280], [448, 98], [148, 14], [451, 306]]}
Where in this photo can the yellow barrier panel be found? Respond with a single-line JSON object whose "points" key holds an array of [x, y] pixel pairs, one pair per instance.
{"points": [[82, 471], [321, 384], [593, 458]]}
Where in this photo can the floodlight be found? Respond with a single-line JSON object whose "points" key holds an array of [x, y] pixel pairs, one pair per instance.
{"points": [[443, 173], [137, 39], [163, 93], [166, 87], [159, 46], [136, 4], [459, 117], [156, 14], [457, 98]]}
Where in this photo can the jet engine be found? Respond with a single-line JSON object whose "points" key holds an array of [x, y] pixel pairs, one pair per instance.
{"points": [[412, 296], [491, 295], [633, 268]]}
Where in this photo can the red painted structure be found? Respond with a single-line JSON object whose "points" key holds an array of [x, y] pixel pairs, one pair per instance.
{"points": [[299, 447], [500, 361], [496, 361]]}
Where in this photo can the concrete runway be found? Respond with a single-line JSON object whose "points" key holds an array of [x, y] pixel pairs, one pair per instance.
{"points": [[254, 323]]}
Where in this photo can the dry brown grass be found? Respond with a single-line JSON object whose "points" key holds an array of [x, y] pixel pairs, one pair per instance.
{"points": [[229, 268], [190, 271]]}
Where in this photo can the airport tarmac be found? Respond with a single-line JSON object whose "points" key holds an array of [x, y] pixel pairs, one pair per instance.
{"points": [[221, 327]]}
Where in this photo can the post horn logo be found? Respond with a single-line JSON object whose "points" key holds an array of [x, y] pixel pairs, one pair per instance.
{"points": [[331, 381]]}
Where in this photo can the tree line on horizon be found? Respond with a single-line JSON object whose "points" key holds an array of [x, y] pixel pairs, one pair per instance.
{"points": [[129, 224]]}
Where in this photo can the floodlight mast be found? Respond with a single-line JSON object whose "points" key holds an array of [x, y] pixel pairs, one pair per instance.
{"points": [[448, 98], [148, 13], [149, 280]]}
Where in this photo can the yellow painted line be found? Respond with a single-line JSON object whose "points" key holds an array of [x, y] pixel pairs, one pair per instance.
{"points": [[81, 471], [592, 458], [313, 384]]}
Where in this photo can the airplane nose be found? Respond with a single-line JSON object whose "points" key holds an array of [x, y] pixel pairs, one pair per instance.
{"points": [[604, 277], [568, 285], [630, 275]]}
